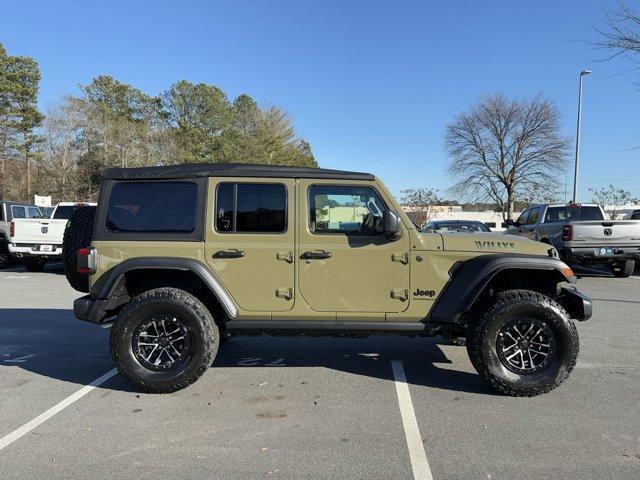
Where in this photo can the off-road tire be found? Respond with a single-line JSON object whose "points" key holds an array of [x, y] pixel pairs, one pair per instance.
{"points": [[5, 256], [455, 340], [624, 269], [33, 264], [203, 334], [77, 235], [482, 339]]}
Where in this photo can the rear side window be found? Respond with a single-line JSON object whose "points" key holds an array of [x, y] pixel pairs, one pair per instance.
{"points": [[18, 212], [251, 208], [634, 215], [572, 213], [591, 213], [160, 207], [63, 212], [35, 212]]}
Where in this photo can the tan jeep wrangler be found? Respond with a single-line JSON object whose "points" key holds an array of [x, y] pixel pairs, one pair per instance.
{"points": [[182, 257]]}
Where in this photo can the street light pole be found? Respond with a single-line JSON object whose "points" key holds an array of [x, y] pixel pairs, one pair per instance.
{"points": [[575, 173]]}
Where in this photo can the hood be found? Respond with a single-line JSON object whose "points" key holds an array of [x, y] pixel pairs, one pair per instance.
{"points": [[492, 243]]}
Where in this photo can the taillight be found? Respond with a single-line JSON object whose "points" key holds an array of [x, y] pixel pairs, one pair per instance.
{"points": [[567, 233], [12, 229], [86, 261]]}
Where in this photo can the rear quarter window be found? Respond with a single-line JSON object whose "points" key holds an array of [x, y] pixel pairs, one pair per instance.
{"points": [[154, 207]]}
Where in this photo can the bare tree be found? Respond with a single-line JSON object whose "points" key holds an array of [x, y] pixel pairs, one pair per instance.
{"points": [[418, 204], [501, 150], [611, 196], [621, 34]]}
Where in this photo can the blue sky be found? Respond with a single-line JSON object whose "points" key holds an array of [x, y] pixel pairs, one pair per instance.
{"points": [[371, 85]]}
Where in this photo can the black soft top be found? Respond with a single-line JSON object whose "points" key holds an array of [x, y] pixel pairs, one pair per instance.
{"points": [[194, 170]]}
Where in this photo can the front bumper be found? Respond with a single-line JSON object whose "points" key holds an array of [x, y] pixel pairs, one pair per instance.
{"points": [[594, 254], [576, 303]]}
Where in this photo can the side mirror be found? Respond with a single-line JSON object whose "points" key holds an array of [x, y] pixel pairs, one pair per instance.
{"points": [[391, 224], [511, 223]]}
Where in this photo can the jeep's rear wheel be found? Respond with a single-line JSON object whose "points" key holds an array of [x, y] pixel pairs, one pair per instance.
{"points": [[33, 264], [5, 257], [164, 340], [523, 343]]}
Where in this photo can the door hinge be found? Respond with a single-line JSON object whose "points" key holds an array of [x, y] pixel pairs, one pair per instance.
{"points": [[400, 294], [285, 292], [402, 258], [286, 255]]}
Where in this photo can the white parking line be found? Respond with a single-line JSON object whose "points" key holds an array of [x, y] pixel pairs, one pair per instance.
{"points": [[43, 417], [419, 462]]}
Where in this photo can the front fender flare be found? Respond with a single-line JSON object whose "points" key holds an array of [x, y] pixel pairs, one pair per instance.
{"points": [[471, 277]]}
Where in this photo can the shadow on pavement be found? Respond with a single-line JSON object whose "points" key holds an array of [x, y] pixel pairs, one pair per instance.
{"points": [[52, 343]]}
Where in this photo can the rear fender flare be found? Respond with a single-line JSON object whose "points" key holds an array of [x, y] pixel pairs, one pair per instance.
{"points": [[107, 286]]}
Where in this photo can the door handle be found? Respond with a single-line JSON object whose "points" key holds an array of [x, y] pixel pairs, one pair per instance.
{"points": [[318, 255], [233, 253]]}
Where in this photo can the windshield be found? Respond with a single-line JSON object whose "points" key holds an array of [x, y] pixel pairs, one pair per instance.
{"points": [[461, 227]]}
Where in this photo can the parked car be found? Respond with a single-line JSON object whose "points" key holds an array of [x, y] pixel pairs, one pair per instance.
{"points": [[582, 234], [634, 215], [456, 226], [180, 257], [36, 240], [8, 212]]}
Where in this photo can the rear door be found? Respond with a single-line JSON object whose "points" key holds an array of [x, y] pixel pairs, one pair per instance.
{"points": [[250, 241]]}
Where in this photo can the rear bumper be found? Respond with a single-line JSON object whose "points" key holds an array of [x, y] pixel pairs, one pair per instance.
{"points": [[592, 254], [27, 250], [577, 304]]}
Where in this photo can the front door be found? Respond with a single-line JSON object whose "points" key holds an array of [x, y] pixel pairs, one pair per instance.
{"points": [[346, 263], [250, 241]]}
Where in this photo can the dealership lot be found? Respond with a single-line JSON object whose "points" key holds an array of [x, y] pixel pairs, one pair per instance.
{"points": [[274, 407]]}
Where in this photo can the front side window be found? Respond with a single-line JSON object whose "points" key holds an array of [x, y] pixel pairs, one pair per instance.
{"points": [[251, 208], [18, 212], [533, 216], [522, 219], [351, 210], [156, 207]]}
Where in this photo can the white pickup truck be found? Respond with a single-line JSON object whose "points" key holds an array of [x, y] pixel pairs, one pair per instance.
{"points": [[36, 240]]}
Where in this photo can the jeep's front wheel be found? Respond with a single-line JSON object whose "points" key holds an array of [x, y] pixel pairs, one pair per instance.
{"points": [[164, 340], [524, 343]]}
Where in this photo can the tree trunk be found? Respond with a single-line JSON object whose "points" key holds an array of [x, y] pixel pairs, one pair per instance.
{"points": [[28, 171], [510, 204]]}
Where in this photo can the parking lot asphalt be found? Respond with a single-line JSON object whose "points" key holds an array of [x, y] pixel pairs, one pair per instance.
{"points": [[276, 407]]}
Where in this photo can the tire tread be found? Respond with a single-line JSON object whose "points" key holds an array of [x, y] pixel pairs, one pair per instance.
{"points": [[502, 301], [167, 294]]}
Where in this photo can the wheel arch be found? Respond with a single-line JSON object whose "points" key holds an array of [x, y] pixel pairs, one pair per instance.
{"points": [[133, 276], [476, 278]]}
